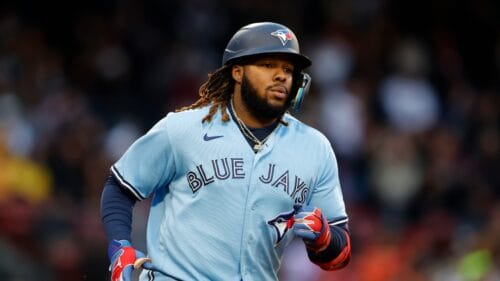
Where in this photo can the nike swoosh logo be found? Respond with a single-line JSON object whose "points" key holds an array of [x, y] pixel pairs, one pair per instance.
{"points": [[209, 138]]}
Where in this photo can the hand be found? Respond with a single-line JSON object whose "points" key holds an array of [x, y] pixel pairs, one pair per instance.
{"points": [[124, 259], [312, 227]]}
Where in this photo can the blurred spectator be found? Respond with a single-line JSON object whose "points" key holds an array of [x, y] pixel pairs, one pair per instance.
{"points": [[408, 99], [18, 132], [396, 173]]}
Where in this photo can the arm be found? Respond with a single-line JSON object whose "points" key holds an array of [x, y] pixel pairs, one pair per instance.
{"points": [[117, 204], [330, 247], [116, 210], [147, 164]]}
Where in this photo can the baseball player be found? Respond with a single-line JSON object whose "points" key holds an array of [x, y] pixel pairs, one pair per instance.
{"points": [[233, 178]]}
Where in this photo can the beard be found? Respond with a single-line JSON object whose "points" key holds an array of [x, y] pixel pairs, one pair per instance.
{"points": [[258, 106]]}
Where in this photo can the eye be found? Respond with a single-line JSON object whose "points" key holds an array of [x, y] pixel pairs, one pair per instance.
{"points": [[288, 69], [268, 64]]}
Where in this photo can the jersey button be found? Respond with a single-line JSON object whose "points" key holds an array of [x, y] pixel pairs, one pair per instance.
{"points": [[254, 207]]}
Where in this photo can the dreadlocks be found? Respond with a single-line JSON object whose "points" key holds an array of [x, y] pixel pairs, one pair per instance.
{"points": [[217, 90]]}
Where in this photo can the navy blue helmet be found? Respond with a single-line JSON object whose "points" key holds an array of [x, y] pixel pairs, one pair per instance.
{"points": [[264, 38]]}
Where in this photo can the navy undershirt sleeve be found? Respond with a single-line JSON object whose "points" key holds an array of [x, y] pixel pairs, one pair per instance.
{"points": [[337, 244], [116, 210]]}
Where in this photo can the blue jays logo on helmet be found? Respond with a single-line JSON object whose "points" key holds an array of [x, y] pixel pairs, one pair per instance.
{"points": [[284, 35], [281, 223]]}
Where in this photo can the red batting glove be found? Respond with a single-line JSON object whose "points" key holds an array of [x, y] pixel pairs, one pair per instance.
{"points": [[123, 257], [312, 227]]}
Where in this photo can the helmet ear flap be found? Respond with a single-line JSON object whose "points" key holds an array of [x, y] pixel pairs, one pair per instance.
{"points": [[304, 83]]}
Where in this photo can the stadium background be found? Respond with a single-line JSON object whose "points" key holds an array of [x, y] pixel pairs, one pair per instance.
{"points": [[407, 91]]}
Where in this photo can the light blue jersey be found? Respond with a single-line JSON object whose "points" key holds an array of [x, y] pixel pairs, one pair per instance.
{"points": [[215, 201]]}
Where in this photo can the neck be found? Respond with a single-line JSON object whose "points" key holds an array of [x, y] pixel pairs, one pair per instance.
{"points": [[246, 116]]}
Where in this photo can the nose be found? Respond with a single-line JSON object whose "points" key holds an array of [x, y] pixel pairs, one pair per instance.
{"points": [[280, 75]]}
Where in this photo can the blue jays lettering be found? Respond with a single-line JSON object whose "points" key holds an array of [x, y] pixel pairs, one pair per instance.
{"points": [[225, 168]]}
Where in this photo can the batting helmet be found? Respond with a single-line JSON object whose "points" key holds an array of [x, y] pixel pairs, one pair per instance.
{"points": [[264, 38]]}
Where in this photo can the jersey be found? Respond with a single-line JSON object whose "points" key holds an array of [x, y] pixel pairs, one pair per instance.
{"points": [[216, 205]]}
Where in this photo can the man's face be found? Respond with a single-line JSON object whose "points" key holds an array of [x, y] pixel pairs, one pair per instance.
{"points": [[266, 87]]}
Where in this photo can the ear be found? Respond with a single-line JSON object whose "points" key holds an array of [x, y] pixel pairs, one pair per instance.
{"points": [[237, 73]]}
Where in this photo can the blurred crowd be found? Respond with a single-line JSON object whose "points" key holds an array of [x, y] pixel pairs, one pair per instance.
{"points": [[408, 94]]}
